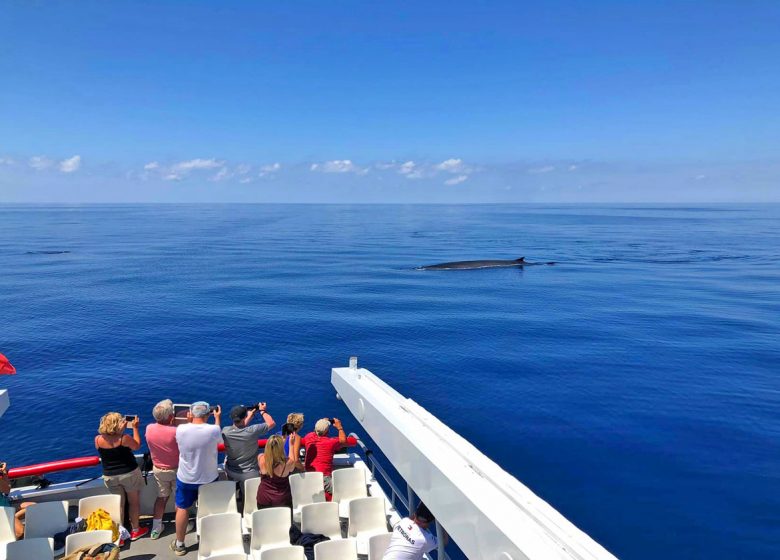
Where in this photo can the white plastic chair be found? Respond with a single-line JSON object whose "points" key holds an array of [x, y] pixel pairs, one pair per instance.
{"points": [[284, 553], [220, 534], [45, 519], [321, 519], [348, 484], [7, 531], [270, 529], [377, 545], [250, 500], [366, 519], [306, 488], [86, 538], [215, 497], [30, 549], [111, 503], [229, 557], [344, 549]]}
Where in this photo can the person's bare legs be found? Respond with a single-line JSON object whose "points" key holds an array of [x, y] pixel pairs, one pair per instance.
{"points": [[134, 505], [159, 507], [182, 519]]}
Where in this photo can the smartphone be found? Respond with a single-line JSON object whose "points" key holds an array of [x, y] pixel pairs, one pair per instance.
{"points": [[130, 417]]}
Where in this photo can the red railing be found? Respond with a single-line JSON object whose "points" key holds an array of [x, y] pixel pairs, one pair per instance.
{"points": [[41, 469]]}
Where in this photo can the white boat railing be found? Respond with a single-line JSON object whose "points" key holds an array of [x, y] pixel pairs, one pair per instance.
{"points": [[396, 495]]}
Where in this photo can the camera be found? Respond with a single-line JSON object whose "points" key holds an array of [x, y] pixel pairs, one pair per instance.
{"points": [[255, 406], [288, 429]]}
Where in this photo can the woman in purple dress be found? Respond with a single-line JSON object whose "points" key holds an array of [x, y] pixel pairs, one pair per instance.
{"points": [[275, 468]]}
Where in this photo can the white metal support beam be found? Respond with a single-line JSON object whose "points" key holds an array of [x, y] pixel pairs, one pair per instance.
{"points": [[487, 512]]}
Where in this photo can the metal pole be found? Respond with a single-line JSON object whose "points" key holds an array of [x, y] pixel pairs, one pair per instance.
{"points": [[440, 554]]}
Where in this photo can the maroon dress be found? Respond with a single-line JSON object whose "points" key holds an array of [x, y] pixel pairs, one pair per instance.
{"points": [[274, 492]]}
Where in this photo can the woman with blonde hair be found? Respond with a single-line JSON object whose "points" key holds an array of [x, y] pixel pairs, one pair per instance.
{"points": [[275, 468], [121, 473]]}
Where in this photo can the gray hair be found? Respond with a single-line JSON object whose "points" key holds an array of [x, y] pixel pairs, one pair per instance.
{"points": [[200, 409], [322, 426], [163, 410]]}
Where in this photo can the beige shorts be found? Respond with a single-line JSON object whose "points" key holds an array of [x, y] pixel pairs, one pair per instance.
{"points": [[129, 482], [166, 481]]}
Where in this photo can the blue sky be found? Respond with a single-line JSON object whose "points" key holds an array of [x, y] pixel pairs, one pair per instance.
{"points": [[390, 102]]}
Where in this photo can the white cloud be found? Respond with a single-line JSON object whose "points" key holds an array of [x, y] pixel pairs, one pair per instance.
{"points": [[700, 177], [573, 167], [6, 161], [198, 163], [243, 168], [269, 169], [384, 165], [40, 162], [407, 168], [70, 165], [456, 180], [541, 170], [338, 166], [222, 175], [451, 165], [245, 180], [181, 169], [152, 165]]}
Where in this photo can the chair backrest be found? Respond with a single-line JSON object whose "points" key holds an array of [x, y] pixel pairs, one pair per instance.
{"points": [[366, 514], [283, 553], [30, 549], [270, 528], [217, 497], [307, 488], [45, 519], [377, 545], [7, 531], [349, 484], [322, 519], [86, 538], [250, 495], [344, 549], [220, 533], [111, 503]]}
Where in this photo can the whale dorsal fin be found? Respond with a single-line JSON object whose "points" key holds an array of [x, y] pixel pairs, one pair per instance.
{"points": [[521, 259]]}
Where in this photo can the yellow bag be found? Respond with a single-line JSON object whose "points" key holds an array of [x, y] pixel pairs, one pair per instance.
{"points": [[100, 519]]}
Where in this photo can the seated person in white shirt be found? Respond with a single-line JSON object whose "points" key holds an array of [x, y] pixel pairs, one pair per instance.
{"points": [[413, 537]]}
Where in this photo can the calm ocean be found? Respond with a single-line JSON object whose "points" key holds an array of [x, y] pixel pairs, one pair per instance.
{"points": [[635, 385]]}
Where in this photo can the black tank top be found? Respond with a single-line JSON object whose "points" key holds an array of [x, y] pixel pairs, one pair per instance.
{"points": [[117, 460]]}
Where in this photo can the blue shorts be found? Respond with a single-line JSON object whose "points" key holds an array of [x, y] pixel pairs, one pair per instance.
{"points": [[187, 494]]}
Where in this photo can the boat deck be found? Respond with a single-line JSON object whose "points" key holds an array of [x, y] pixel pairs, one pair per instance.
{"points": [[147, 549]]}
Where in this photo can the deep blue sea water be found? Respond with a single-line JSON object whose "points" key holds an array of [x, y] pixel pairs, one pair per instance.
{"points": [[634, 385]]}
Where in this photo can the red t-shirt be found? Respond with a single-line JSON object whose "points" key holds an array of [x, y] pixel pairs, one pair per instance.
{"points": [[319, 452]]}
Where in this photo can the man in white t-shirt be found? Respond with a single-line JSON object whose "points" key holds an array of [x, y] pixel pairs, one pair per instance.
{"points": [[412, 537], [197, 443]]}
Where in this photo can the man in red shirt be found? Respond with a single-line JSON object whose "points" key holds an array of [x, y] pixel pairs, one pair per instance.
{"points": [[320, 449]]}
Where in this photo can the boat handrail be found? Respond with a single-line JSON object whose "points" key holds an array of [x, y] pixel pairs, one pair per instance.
{"points": [[396, 493], [40, 469]]}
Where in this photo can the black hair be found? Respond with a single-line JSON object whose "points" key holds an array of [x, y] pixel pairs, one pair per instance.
{"points": [[424, 514]]}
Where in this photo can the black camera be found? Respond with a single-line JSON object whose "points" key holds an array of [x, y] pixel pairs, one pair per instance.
{"points": [[255, 406], [288, 429]]}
